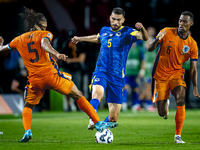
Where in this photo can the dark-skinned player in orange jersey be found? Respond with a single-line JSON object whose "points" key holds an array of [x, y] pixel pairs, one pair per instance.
{"points": [[176, 47]]}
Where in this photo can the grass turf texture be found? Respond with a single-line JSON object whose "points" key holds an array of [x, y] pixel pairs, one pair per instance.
{"points": [[61, 130]]}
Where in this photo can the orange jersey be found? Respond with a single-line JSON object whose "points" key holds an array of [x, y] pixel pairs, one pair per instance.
{"points": [[38, 62], [174, 51]]}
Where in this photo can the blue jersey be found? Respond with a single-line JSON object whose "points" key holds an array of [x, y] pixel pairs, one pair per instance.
{"points": [[115, 46]]}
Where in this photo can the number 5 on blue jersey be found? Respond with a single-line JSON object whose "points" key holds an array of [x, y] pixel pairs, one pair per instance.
{"points": [[109, 43]]}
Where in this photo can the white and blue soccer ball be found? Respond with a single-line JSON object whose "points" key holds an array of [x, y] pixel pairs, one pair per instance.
{"points": [[105, 136]]}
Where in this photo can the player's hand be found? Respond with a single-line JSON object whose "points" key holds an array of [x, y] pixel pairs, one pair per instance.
{"points": [[161, 35], [1, 40], [75, 40], [139, 26], [196, 93], [61, 57]]}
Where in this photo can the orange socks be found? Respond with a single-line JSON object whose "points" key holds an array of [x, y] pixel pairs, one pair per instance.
{"points": [[27, 118], [179, 119], [88, 109]]}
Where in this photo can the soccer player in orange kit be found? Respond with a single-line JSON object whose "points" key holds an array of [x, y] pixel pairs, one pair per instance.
{"points": [[37, 53], [176, 47]]}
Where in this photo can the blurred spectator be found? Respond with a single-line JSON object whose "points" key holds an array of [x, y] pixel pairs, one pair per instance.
{"points": [[10, 69], [134, 73], [74, 63], [19, 82], [145, 93]]}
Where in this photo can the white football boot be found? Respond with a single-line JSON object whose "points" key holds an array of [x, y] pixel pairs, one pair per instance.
{"points": [[91, 125], [177, 139]]}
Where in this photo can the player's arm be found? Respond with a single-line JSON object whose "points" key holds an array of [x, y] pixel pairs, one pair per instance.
{"points": [[90, 38], [142, 35], [193, 77], [3, 48], [46, 46], [154, 44]]}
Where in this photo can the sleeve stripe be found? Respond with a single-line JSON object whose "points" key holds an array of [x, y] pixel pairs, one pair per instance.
{"points": [[98, 35], [193, 59], [47, 38], [9, 46], [133, 33]]}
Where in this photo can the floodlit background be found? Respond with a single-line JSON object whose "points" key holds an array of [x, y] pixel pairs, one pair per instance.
{"points": [[67, 18]]}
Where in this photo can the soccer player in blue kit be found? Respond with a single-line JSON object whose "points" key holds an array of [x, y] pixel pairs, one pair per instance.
{"points": [[108, 76]]}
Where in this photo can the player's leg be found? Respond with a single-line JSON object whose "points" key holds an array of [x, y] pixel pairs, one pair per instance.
{"points": [[114, 110], [161, 96], [162, 107], [114, 99], [32, 95], [97, 96], [98, 85], [83, 103], [179, 94], [67, 87], [89, 110], [27, 120]]}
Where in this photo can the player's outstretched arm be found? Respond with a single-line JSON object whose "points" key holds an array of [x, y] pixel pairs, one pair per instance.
{"points": [[91, 38], [46, 46], [193, 77], [154, 44], [142, 35], [3, 48]]}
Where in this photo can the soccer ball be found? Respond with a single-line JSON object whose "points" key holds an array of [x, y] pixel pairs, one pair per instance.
{"points": [[105, 136]]}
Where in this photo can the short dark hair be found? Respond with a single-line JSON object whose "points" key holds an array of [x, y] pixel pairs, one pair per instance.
{"points": [[188, 14], [119, 11], [31, 18]]}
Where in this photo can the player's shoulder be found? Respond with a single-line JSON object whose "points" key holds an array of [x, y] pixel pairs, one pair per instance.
{"points": [[105, 28], [192, 39], [45, 34], [170, 29]]}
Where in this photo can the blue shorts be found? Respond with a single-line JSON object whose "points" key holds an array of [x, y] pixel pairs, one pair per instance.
{"points": [[113, 90]]}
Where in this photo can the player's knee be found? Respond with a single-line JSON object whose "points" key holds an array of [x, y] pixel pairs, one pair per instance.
{"points": [[180, 100], [98, 95], [162, 113]]}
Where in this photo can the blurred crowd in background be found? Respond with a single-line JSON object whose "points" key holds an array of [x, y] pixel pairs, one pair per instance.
{"points": [[86, 17]]}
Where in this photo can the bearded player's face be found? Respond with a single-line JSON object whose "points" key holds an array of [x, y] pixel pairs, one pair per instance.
{"points": [[116, 21]]}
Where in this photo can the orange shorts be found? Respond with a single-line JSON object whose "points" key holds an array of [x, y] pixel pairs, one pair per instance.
{"points": [[60, 82], [162, 89]]}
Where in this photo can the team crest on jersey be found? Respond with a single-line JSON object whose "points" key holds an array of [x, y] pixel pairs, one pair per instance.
{"points": [[104, 34], [118, 33], [49, 35], [186, 49]]}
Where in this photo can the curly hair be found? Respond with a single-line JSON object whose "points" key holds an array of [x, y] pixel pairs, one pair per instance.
{"points": [[31, 18]]}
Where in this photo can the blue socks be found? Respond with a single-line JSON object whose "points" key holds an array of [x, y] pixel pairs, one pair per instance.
{"points": [[107, 119], [95, 103]]}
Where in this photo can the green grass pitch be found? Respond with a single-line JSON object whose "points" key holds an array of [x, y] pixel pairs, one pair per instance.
{"points": [[62, 130]]}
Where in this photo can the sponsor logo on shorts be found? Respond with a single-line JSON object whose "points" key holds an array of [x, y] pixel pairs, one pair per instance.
{"points": [[156, 95], [97, 80]]}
